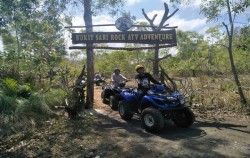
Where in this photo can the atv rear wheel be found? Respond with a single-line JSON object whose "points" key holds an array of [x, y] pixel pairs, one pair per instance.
{"points": [[184, 118], [103, 98], [125, 110], [152, 120], [113, 102]]}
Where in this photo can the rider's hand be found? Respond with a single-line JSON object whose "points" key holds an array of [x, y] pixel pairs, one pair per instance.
{"points": [[145, 86]]}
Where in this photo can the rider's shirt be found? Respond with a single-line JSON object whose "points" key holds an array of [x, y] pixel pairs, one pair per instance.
{"points": [[145, 80], [118, 78]]}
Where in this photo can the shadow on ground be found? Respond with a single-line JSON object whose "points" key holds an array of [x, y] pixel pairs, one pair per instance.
{"points": [[108, 136]]}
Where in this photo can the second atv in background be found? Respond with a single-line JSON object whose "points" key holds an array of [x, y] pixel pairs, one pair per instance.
{"points": [[111, 94], [99, 79]]}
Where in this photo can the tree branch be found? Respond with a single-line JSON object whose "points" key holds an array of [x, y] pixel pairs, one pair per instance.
{"points": [[165, 16], [166, 25], [222, 45], [167, 56], [149, 59], [159, 59], [151, 22], [228, 34]]}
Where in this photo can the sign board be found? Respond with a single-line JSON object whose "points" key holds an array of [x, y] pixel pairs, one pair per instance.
{"points": [[145, 37], [123, 24]]}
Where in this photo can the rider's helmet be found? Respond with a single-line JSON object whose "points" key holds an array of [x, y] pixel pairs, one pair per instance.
{"points": [[116, 69], [137, 67]]}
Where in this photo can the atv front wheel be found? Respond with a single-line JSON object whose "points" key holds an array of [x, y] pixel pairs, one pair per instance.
{"points": [[152, 120], [103, 98], [125, 111], [97, 83], [113, 102], [184, 118]]}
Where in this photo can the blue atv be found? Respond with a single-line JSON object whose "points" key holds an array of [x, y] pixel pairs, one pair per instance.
{"points": [[154, 107]]}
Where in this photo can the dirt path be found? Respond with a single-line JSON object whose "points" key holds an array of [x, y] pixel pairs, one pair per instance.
{"points": [[206, 138], [111, 137]]}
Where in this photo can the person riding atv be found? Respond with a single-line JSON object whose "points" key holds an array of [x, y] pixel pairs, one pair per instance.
{"points": [[99, 79], [110, 92], [154, 104], [143, 80], [117, 78]]}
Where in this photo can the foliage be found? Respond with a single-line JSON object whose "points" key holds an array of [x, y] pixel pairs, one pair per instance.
{"points": [[7, 103], [10, 87], [33, 37], [55, 97], [124, 60], [20, 114], [34, 105]]}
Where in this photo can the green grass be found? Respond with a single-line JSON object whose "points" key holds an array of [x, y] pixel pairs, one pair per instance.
{"points": [[20, 114], [7, 103], [55, 97], [9, 87]]}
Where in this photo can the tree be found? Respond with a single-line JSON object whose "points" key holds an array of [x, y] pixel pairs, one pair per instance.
{"points": [[213, 10], [158, 28], [243, 36], [188, 43], [15, 13], [33, 33]]}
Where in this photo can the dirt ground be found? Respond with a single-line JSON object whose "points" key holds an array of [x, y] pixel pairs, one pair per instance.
{"points": [[111, 137]]}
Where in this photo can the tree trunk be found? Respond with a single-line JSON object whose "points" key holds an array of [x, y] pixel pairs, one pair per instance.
{"points": [[230, 41], [18, 53], [90, 55], [236, 78]]}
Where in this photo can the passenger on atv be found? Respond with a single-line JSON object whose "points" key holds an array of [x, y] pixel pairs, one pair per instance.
{"points": [[117, 78], [110, 93]]}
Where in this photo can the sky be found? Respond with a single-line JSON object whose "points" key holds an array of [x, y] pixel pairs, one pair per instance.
{"points": [[187, 18]]}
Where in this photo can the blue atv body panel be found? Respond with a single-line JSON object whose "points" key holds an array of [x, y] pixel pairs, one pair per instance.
{"points": [[164, 102], [129, 96], [156, 97]]}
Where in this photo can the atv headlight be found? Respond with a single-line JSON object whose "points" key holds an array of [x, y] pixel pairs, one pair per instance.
{"points": [[171, 98], [150, 92]]}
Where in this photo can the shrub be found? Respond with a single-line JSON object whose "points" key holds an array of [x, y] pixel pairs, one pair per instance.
{"points": [[7, 103], [34, 105], [54, 97], [10, 87], [13, 123]]}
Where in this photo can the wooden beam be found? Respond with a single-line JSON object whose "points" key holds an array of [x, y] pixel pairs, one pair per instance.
{"points": [[165, 27], [122, 48]]}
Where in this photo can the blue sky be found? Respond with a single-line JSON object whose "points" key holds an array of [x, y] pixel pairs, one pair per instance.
{"points": [[187, 18]]}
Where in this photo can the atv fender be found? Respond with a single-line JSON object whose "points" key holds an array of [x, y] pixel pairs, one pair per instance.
{"points": [[144, 105]]}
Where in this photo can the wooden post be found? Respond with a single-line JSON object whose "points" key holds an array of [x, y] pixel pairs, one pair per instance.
{"points": [[90, 55], [156, 62]]}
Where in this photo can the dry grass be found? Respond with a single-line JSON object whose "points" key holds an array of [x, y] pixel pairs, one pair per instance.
{"points": [[210, 93]]}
